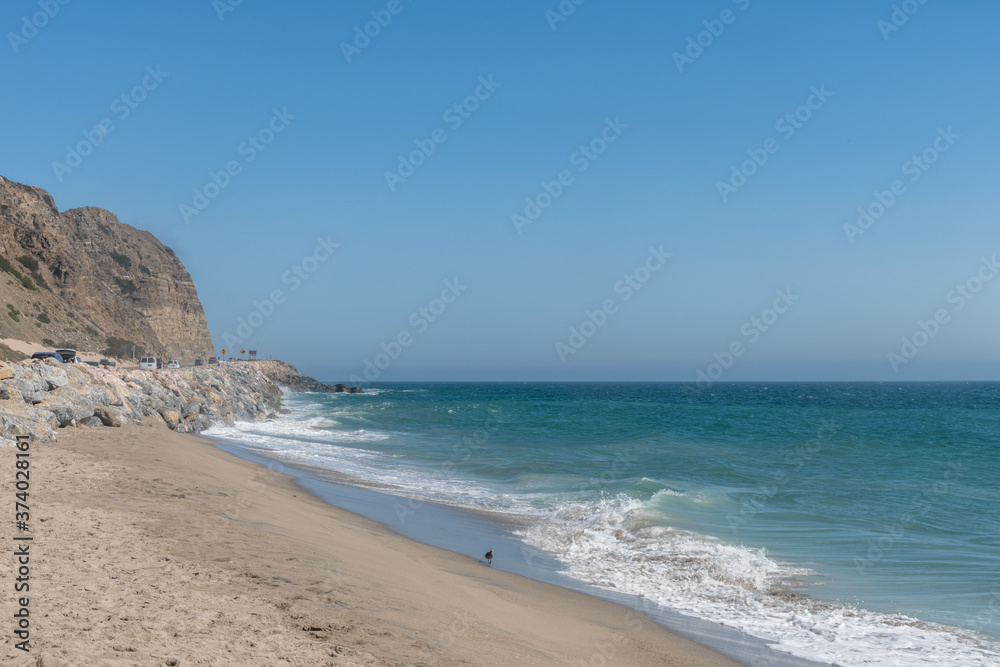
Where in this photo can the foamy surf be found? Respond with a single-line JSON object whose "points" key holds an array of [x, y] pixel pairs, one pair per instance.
{"points": [[305, 440], [620, 543], [647, 538]]}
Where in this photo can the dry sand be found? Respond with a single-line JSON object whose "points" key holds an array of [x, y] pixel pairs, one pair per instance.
{"points": [[155, 548], [22, 346]]}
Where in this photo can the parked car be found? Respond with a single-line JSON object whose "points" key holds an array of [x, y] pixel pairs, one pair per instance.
{"points": [[148, 364], [92, 363], [198, 362], [107, 362], [68, 356], [47, 355], [173, 363], [213, 360]]}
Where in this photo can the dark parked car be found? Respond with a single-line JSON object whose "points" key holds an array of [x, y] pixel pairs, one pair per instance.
{"points": [[92, 363], [47, 355], [213, 360], [198, 362], [107, 362]]}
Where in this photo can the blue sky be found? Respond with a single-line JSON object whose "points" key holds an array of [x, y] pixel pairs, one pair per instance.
{"points": [[640, 137]]}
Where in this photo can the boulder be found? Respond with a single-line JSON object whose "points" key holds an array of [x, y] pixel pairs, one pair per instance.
{"points": [[172, 417], [40, 425], [73, 398], [106, 416], [10, 392], [53, 376], [66, 411]]}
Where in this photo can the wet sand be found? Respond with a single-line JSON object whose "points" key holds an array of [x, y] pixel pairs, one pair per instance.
{"points": [[156, 548]]}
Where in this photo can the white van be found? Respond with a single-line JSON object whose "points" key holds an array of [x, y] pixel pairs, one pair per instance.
{"points": [[147, 364]]}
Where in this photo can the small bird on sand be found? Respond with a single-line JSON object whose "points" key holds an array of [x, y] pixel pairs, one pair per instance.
{"points": [[489, 557]]}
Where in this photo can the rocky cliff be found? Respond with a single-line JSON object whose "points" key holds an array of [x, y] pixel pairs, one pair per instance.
{"points": [[83, 279]]}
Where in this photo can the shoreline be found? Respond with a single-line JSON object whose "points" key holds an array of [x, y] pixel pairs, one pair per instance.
{"points": [[418, 520], [154, 546]]}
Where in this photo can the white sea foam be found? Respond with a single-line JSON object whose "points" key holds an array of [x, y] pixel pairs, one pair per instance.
{"points": [[622, 544], [305, 440], [667, 492]]}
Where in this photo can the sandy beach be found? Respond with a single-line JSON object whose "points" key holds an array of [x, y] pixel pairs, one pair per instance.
{"points": [[157, 548]]}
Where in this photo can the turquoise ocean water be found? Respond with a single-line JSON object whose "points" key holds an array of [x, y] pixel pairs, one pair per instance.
{"points": [[855, 524]]}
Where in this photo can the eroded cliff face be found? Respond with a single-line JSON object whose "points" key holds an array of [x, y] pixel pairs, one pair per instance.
{"points": [[79, 277]]}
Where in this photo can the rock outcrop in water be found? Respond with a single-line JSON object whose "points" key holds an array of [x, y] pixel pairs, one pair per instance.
{"points": [[37, 397], [288, 376]]}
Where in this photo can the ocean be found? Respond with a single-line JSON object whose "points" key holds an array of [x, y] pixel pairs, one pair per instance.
{"points": [[846, 523]]}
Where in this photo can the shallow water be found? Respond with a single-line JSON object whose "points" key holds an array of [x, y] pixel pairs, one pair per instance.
{"points": [[848, 523]]}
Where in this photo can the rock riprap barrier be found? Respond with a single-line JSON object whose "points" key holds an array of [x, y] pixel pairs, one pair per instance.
{"points": [[39, 396]]}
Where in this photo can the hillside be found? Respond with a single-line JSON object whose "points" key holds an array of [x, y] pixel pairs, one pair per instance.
{"points": [[83, 279]]}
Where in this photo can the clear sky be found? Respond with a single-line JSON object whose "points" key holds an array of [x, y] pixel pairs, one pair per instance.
{"points": [[674, 169]]}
